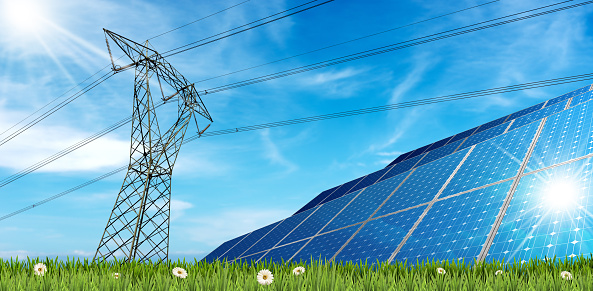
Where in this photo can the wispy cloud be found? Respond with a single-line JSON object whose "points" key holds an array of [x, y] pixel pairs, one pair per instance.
{"points": [[273, 154]]}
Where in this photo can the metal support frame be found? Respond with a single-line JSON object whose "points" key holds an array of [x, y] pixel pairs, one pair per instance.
{"points": [[138, 226]]}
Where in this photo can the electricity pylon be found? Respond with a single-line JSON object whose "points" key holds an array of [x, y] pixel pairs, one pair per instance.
{"points": [[138, 226]]}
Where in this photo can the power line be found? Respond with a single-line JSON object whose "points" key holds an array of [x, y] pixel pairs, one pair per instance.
{"points": [[117, 125], [189, 23], [183, 49], [420, 102], [348, 41], [396, 46]]}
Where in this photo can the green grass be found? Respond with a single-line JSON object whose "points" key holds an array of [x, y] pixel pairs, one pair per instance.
{"points": [[71, 275]]}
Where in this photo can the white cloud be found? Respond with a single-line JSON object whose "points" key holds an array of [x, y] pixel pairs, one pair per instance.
{"points": [[83, 253], [230, 223]]}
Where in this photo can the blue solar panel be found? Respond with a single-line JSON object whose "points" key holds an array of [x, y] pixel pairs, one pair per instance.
{"points": [[462, 135], [457, 227], [439, 144], [558, 99], [526, 111], [418, 151], [424, 183], [246, 243], [318, 219], [565, 136], [491, 124], [379, 238], [252, 258], [324, 246], [493, 160], [222, 249], [366, 203], [283, 253], [317, 199], [529, 118], [581, 98], [370, 179], [401, 168], [278, 233], [400, 158], [439, 153], [342, 190], [549, 215], [483, 136]]}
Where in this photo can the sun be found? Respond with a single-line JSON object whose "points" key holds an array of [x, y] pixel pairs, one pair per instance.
{"points": [[24, 17], [561, 194]]}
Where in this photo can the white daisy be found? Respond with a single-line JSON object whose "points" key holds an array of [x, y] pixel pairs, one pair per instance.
{"points": [[179, 272], [499, 272], [566, 275], [298, 270], [441, 271], [40, 269], [116, 275], [265, 277]]}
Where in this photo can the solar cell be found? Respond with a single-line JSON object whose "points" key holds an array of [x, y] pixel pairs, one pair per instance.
{"points": [[560, 98], [418, 151], [223, 248], [549, 215], [439, 144], [424, 183], [493, 160], [318, 219], [457, 227], [400, 158], [324, 246], [379, 238], [566, 135], [361, 208]]}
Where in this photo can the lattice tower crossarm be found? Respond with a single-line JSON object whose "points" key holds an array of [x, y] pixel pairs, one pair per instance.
{"points": [[138, 227]]}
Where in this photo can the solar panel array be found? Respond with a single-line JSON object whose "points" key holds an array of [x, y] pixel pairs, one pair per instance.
{"points": [[513, 188]]}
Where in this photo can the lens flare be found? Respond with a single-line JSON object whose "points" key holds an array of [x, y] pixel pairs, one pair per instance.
{"points": [[561, 194]]}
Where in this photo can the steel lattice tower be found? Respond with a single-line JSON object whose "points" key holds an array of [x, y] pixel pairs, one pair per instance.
{"points": [[139, 222]]}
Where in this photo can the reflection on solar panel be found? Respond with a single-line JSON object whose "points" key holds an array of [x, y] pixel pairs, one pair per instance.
{"points": [[514, 188]]}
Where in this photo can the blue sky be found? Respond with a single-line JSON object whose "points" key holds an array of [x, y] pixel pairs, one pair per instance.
{"points": [[225, 186]]}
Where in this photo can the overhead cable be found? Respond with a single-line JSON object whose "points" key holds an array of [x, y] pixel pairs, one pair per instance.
{"points": [[356, 112]]}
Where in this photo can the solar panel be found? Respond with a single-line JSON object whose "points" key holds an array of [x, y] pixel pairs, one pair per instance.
{"points": [[370, 179], [581, 98], [493, 160], [247, 242], [418, 151], [440, 152], [317, 199], [223, 248], [379, 238], [342, 190], [462, 135], [439, 144], [537, 115], [548, 216], [483, 136], [278, 233], [361, 208], [318, 219], [400, 158], [491, 124], [526, 111], [456, 228], [401, 168], [324, 246], [283, 253], [423, 184], [565, 136]]}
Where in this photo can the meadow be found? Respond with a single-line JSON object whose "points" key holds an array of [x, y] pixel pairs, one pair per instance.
{"points": [[49, 274]]}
